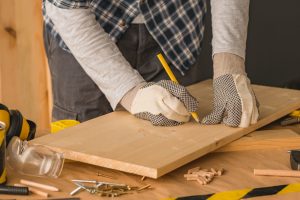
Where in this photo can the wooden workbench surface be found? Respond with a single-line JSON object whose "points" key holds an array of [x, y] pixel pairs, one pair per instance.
{"points": [[239, 175]]}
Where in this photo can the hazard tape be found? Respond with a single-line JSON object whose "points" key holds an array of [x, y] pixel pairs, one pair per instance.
{"points": [[245, 193]]}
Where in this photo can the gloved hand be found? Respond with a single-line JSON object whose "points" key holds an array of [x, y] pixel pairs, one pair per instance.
{"points": [[164, 103], [234, 103]]}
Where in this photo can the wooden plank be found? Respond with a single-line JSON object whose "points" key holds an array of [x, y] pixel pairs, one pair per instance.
{"points": [[120, 141], [22, 60], [267, 139]]}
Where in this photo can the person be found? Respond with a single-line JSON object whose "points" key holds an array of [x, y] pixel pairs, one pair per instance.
{"points": [[102, 54]]}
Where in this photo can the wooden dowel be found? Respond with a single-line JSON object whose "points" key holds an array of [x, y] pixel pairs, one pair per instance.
{"points": [[191, 175], [271, 172], [34, 191], [195, 169], [39, 185]]}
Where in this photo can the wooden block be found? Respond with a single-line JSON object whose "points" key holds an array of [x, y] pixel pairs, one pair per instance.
{"points": [[120, 141], [268, 139]]}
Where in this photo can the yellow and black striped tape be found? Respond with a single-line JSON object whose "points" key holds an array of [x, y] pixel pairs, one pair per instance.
{"points": [[245, 193]]}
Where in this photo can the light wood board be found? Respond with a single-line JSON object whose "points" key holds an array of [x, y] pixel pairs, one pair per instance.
{"points": [[266, 139], [120, 141]]}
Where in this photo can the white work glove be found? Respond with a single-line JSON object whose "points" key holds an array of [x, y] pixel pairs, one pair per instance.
{"points": [[234, 103], [164, 103]]}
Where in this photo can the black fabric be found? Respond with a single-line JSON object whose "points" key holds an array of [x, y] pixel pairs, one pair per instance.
{"points": [[76, 96]]}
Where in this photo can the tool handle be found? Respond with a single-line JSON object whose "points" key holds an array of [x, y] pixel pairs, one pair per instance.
{"points": [[290, 121], [14, 190]]}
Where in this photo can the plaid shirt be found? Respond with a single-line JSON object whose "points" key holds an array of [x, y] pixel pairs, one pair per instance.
{"points": [[177, 25]]}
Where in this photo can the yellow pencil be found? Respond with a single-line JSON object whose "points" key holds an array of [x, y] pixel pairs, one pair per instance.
{"points": [[173, 78]]}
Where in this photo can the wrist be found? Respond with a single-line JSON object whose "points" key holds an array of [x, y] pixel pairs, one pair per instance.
{"points": [[227, 63], [127, 99]]}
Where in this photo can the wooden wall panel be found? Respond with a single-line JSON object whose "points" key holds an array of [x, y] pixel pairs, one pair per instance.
{"points": [[7, 46], [23, 61]]}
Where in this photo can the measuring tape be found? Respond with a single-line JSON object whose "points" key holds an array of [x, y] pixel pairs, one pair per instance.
{"points": [[12, 123], [245, 193]]}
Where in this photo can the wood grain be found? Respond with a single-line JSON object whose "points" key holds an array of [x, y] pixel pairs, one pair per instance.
{"points": [[267, 139], [22, 60], [120, 141], [238, 175]]}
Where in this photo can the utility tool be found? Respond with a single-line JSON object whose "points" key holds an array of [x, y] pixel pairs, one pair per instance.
{"points": [[12, 123], [294, 118], [14, 190], [16, 124], [295, 159], [173, 78], [290, 121], [34, 191], [245, 193]]}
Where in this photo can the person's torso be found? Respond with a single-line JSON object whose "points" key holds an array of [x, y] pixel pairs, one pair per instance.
{"points": [[177, 25]]}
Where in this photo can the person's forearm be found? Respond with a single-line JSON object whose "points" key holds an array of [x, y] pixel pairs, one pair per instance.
{"points": [[95, 51], [230, 24]]}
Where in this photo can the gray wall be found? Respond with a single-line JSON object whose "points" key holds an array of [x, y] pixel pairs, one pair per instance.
{"points": [[273, 47]]}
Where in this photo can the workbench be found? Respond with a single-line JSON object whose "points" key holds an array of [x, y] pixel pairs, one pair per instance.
{"points": [[238, 175]]}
